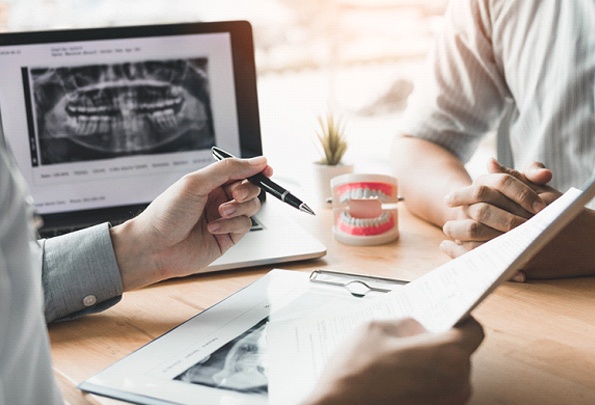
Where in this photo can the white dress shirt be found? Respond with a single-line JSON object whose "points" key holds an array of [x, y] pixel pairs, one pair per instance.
{"points": [[26, 375], [79, 275], [536, 55]]}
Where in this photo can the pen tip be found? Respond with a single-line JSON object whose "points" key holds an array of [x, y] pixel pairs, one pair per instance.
{"points": [[307, 209]]}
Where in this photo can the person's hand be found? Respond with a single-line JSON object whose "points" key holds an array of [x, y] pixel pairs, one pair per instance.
{"points": [[536, 176], [494, 204], [189, 225], [399, 362]]}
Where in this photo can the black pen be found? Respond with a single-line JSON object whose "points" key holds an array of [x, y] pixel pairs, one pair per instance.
{"points": [[268, 185]]}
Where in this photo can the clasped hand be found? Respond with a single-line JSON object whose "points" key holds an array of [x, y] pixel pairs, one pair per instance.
{"points": [[494, 204]]}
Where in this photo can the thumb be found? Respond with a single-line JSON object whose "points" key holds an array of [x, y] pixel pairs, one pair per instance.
{"points": [[537, 173]]}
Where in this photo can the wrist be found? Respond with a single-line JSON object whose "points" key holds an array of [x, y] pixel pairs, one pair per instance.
{"points": [[136, 263]]}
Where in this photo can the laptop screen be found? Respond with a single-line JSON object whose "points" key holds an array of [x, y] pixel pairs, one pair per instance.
{"points": [[106, 119]]}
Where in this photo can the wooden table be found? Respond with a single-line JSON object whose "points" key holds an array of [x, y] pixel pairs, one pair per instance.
{"points": [[540, 336]]}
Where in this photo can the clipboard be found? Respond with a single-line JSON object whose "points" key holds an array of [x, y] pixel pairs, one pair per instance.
{"points": [[219, 356]]}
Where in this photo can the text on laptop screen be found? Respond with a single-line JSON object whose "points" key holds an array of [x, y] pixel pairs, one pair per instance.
{"points": [[113, 122]]}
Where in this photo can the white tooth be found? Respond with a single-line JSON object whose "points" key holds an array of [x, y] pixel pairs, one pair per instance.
{"points": [[104, 124], [344, 197], [157, 118], [385, 217], [86, 128], [170, 118], [344, 217], [81, 123], [365, 222], [93, 124]]}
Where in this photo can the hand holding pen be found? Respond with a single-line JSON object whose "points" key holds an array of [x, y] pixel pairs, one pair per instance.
{"points": [[268, 185]]}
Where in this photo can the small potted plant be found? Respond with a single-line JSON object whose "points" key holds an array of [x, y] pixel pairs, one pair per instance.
{"points": [[333, 145]]}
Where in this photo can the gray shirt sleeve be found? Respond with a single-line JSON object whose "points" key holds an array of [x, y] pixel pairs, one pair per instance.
{"points": [[80, 274]]}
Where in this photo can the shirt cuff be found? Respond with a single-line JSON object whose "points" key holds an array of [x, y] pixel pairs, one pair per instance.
{"points": [[80, 274]]}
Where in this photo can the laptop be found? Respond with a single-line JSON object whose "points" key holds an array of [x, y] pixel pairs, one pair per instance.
{"points": [[103, 120]]}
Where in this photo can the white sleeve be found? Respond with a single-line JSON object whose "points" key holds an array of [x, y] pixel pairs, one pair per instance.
{"points": [[461, 95]]}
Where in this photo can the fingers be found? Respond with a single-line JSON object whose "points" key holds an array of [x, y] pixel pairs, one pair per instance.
{"points": [[468, 334], [231, 226], [497, 218], [481, 222], [496, 203], [242, 191], [519, 277], [537, 173], [492, 205], [233, 208], [504, 191], [231, 174], [235, 217], [245, 203], [454, 249], [469, 230]]}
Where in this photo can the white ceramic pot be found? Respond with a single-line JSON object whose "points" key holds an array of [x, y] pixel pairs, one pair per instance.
{"points": [[322, 179]]}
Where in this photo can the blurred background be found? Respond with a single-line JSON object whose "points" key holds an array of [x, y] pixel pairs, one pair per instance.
{"points": [[356, 58]]}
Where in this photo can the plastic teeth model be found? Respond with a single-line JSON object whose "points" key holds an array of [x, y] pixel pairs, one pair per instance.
{"points": [[365, 209]]}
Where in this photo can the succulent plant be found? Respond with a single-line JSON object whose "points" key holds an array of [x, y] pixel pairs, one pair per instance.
{"points": [[332, 139]]}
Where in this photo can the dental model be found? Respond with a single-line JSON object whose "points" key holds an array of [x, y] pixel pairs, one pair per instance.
{"points": [[365, 209]]}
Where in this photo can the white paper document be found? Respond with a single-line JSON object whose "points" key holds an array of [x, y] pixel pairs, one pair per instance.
{"points": [[299, 349], [220, 356]]}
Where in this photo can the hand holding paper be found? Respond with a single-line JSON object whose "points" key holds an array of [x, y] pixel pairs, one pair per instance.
{"points": [[377, 365], [438, 300]]}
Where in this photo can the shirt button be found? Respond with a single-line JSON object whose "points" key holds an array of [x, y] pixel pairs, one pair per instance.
{"points": [[89, 300]]}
